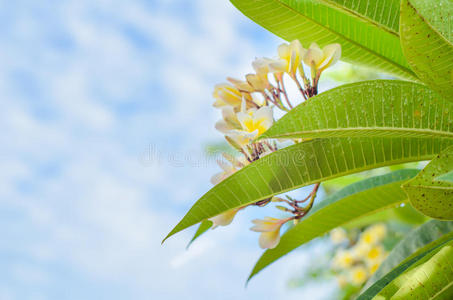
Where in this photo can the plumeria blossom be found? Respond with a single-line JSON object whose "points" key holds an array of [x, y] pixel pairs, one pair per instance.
{"points": [[364, 257], [247, 112], [319, 60], [228, 169], [241, 85], [225, 218], [257, 121], [376, 253], [359, 275], [373, 234], [343, 259], [227, 95], [262, 66], [373, 266], [338, 235], [229, 120], [270, 231], [257, 82], [290, 58], [262, 69], [254, 122]]}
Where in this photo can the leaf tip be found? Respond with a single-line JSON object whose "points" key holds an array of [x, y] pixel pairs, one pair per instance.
{"points": [[168, 235]]}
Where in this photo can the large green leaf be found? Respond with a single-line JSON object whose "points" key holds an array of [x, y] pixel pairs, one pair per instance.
{"points": [[372, 108], [204, 226], [405, 214], [353, 25], [381, 13], [427, 40], [431, 279], [409, 272], [421, 239], [349, 204], [430, 195], [307, 163]]}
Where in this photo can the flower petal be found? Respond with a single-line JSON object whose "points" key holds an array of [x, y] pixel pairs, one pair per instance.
{"points": [[269, 240], [222, 126], [225, 218], [313, 56], [284, 51], [266, 225], [332, 54], [261, 65], [278, 66], [265, 116]]}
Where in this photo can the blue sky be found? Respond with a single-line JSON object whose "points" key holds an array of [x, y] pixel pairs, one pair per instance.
{"points": [[105, 115]]}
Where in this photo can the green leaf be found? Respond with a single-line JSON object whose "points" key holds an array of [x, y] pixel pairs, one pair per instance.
{"points": [[411, 266], [383, 13], [404, 214], [349, 204], [426, 38], [419, 240], [358, 28], [204, 226], [446, 177], [428, 194], [372, 108], [431, 279], [304, 164]]}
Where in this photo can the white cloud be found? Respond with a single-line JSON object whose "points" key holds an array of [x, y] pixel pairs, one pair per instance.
{"points": [[72, 183]]}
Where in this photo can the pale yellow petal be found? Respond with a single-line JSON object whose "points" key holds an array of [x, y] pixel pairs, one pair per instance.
{"points": [[269, 240], [222, 126], [313, 57], [284, 51], [278, 66], [256, 82], [332, 54], [266, 225], [225, 218], [264, 116], [261, 65], [240, 85]]}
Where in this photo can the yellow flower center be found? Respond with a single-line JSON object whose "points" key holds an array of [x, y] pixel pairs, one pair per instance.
{"points": [[373, 253], [252, 125], [359, 276]]}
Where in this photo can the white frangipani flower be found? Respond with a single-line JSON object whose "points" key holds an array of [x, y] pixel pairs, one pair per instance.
{"points": [[257, 82], [227, 170], [319, 60], [358, 275], [254, 122], [225, 218], [227, 95], [242, 86], [270, 231], [290, 58], [338, 235], [229, 120]]}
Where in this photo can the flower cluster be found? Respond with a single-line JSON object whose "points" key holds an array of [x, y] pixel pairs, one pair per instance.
{"points": [[247, 112], [357, 262]]}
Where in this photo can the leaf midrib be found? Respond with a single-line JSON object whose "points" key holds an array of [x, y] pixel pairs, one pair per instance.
{"points": [[441, 291], [360, 17], [431, 187], [428, 132], [341, 174], [404, 69], [442, 37]]}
